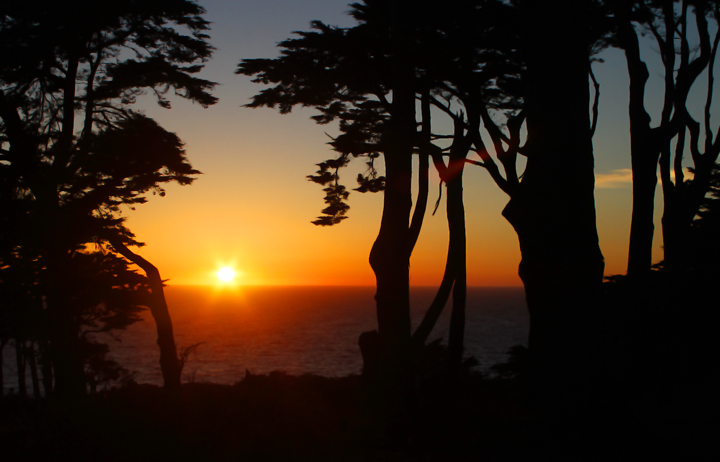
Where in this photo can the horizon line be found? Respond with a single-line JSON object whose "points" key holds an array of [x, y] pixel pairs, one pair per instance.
{"points": [[237, 286]]}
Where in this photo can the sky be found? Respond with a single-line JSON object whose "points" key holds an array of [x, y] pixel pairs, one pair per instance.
{"points": [[251, 208]]}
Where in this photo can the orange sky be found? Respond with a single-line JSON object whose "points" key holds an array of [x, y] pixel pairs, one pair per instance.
{"points": [[252, 207]]}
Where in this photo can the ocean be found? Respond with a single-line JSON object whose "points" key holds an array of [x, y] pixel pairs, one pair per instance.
{"points": [[296, 329]]}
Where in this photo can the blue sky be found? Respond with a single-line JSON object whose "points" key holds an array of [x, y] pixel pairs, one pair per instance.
{"points": [[253, 206]]}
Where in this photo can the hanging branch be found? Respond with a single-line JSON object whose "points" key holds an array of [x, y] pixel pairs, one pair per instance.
{"points": [[596, 103], [423, 172]]}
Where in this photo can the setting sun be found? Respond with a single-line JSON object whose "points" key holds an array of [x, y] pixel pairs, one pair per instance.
{"points": [[226, 274]]}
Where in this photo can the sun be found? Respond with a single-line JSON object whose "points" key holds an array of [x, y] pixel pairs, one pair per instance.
{"points": [[226, 274]]}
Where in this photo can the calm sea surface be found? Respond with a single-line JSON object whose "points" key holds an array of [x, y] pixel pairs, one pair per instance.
{"points": [[298, 330]]}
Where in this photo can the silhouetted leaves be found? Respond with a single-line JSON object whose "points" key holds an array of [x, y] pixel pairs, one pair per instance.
{"points": [[74, 151], [335, 197]]}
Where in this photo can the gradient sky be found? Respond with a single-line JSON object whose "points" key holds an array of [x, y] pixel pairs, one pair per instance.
{"points": [[252, 207]]}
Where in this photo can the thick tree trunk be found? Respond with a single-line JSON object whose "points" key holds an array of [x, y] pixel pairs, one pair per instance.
{"points": [[65, 349], [169, 363], [458, 248], [67, 364], [553, 209], [389, 256], [387, 354], [644, 153]]}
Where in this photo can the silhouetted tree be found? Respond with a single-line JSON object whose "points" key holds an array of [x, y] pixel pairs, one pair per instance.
{"points": [[694, 303], [106, 297], [169, 362], [553, 206], [72, 147], [684, 197], [667, 22], [352, 75], [704, 247], [529, 72], [476, 68]]}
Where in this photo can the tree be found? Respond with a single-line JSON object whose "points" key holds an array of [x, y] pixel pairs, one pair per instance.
{"points": [[355, 76], [667, 21], [349, 74], [170, 364], [477, 68], [523, 74], [684, 198], [553, 206], [80, 62], [530, 66]]}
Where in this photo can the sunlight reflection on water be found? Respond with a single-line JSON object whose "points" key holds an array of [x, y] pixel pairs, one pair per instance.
{"points": [[302, 330], [296, 329]]}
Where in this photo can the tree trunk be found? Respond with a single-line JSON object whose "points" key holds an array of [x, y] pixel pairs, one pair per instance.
{"points": [[553, 209], [389, 256], [642, 227], [65, 349], [458, 247], [47, 370], [30, 353], [644, 153], [20, 362], [433, 313], [435, 309], [2, 368], [387, 354], [62, 319], [169, 363]]}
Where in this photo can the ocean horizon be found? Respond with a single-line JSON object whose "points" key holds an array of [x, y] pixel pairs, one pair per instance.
{"points": [[297, 330]]}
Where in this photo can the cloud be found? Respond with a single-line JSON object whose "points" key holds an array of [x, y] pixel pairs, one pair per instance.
{"points": [[620, 178]]}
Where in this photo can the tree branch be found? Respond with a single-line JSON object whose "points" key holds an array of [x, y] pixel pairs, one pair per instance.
{"points": [[596, 102]]}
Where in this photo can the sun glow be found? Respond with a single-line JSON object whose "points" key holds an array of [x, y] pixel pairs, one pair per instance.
{"points": [[226, 275]]}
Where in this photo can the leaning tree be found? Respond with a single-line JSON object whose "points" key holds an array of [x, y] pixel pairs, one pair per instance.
{"points": [[73, 150]]}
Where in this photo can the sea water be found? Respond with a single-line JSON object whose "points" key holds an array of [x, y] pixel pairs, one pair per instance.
{"points": [[296, 329]]}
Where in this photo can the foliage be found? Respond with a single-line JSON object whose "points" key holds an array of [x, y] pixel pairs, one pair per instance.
{"points": [[332, 70], [72, 149], [703, 243], [516, 365], [463, 52], [80, 63], [101, 370]]}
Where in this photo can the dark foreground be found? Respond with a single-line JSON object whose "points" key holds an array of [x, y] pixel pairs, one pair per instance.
{"points": [[283, 418]]}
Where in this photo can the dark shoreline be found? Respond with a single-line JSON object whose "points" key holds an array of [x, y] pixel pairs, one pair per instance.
{"points": [[278, 417]]}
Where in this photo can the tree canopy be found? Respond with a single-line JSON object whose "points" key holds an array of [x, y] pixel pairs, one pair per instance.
{"points": [[73, 148]]}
